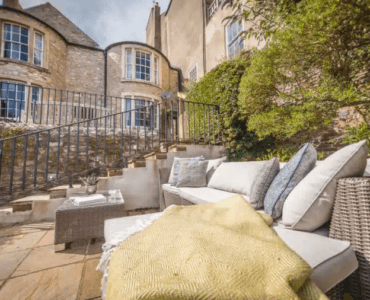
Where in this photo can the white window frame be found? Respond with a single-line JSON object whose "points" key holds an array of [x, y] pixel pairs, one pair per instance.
{"points": [[195, 66], [144, 66], [156, 69], [22, 102], [129, 64], [128, 102], [38, 49], [4, 41], [234, 39]]}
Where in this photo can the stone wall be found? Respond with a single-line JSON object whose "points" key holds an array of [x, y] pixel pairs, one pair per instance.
{"points": [[85, 70], [106, 142]]}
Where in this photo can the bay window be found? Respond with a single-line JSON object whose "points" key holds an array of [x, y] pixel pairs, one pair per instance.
{"points": [[15, 42], [140, 65]]}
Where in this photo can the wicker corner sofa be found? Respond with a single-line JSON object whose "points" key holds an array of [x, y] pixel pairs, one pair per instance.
{"points": [[345, 271]]}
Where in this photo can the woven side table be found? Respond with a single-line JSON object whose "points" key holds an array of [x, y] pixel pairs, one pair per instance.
{"points": [[73, 222], [351, 222]]}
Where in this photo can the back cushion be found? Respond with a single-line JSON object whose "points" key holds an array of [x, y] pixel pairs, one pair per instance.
{"points": [[236, 177], [175, 170], [310, 204], [213, 164]]}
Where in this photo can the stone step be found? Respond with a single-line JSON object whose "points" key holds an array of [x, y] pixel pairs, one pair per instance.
{"points": [[156, 155], [177, 148], [58, 192], [137, 164], [114, 172]]}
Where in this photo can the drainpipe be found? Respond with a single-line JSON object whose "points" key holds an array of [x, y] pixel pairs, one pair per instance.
{"points": [[105, 75], [204, 14]]}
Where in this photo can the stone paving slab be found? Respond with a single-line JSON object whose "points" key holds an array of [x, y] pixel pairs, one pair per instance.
{"points": [[95, 248], [91, 280], [47, 240], [25, 228], [20, 241], [54, 284], [44, 258], [10, 261]]}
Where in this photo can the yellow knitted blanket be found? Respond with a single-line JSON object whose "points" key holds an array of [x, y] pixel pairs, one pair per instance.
{"points": [[222, 250]]}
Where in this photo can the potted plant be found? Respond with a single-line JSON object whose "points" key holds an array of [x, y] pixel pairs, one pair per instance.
{"points": [[91, 183]]}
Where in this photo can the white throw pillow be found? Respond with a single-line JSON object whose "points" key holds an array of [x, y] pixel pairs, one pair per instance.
{"points": [[236, 177], [311, 202], [213, 164]]}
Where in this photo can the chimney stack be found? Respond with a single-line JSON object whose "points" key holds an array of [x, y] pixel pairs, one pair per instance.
{"points": [[12, 4]]}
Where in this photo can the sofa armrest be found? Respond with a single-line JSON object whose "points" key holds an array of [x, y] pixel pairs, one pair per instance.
{"points": [[350, 222], [164, 175]]}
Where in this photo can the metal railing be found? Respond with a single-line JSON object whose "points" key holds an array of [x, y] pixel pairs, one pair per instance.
{"points": [[62, 153]]}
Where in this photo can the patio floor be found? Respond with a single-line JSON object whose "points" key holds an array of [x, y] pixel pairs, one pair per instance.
{"points": [[31, 270]]}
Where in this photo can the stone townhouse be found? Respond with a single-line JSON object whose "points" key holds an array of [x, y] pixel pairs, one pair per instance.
{"points": [[40, 47], [195, 36]]}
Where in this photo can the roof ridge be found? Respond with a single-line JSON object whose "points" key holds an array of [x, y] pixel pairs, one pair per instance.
{"points": [[74, 28]]}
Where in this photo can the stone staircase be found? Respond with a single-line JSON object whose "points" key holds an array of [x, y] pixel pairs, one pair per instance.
{"points": [[41, 205]]}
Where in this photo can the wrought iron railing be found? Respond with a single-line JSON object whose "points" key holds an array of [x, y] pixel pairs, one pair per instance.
{"points": [[54, 154]]}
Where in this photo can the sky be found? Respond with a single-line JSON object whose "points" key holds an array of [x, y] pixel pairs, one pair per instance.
{"points": [[106, 21]]}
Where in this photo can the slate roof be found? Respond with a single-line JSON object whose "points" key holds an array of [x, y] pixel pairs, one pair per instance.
{"points": [[53, 17]]}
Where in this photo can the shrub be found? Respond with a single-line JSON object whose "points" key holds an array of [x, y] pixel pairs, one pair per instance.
{"points": [[221, 86]]}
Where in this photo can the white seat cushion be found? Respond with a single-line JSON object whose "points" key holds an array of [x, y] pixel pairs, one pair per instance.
{"points": [[331, 260], [205, 195], [200, 195], [114, 225]]}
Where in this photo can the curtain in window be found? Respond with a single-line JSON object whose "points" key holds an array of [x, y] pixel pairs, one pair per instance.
{"points": [[128, 114]]}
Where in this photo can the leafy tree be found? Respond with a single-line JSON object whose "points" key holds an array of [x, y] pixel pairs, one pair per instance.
{"points": [[316, 61], [221, 86]]}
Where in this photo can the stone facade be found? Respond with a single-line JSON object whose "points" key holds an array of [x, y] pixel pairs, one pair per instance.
{"points": [[131, 88], [193, 34], [53, 70], [85, 70], [73, 62], [64, 65]]}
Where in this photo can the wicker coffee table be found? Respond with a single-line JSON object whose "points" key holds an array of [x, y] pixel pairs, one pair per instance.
{"points": [[73, 222]]}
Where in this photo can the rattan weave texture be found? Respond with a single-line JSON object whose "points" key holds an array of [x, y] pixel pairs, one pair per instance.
{"points": [[74, 222], [351, 222]]}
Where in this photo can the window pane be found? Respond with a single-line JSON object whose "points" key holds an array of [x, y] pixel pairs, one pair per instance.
{"points": [[7, 54], [24, 31], [24, 49], [8, 35], [24, 40], [14, 55], [8, 46], [129, 72], [15, 37], [129, 56], [15, 29], [24, 57]]}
